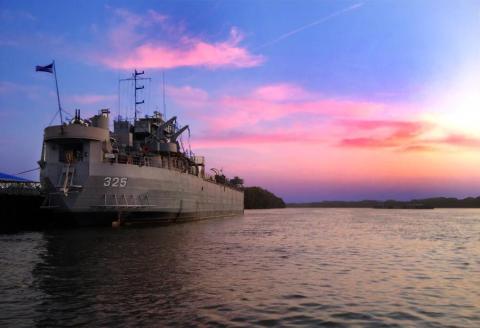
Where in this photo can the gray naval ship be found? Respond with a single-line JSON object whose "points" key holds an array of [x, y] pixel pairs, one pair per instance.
{"points": [[137, 173]]}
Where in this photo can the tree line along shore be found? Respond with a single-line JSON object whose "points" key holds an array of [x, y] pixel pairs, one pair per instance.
{"points": [[259, 198], [426, 203]]}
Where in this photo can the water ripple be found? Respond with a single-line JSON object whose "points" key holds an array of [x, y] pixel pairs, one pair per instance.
{"points": [[293, 267]]}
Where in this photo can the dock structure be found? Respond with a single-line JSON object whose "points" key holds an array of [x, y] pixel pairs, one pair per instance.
{"points": [[20, 201], [14, 184]]}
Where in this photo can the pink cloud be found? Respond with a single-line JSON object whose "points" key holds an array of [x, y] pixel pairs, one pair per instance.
{"points": [[188, 96], [282, 113], [267, 103], [378, 124], [455, 141], [419, 148], [192, 53], [157, 17], [250, 110], [383, 133], [257, 109], [134, 49], [281, 92], [367, 143], [460, 140], [403, 135], [282, 131], [236, 138], [123, 35], [88, 99]]}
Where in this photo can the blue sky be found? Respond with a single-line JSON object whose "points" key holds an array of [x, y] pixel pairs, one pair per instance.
{"points": [[252, 74]]}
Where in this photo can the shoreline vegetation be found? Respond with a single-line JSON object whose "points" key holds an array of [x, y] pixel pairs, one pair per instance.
{"points": [[259, 198], [426, 203]]}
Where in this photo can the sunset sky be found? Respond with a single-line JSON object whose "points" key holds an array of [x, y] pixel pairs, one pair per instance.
{"points": [[313, 100]]}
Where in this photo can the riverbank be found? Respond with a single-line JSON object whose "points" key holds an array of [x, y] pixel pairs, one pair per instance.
{"points": [[426, 203]]}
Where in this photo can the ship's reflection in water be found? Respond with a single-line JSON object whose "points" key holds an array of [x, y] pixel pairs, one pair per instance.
{"points": [[277, 267]]}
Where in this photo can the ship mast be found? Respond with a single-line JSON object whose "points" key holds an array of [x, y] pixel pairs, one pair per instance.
{"points": [[164, 104], [136, 87], [135, 74]]}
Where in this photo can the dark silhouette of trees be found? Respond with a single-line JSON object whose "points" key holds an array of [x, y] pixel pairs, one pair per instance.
{"points": [[256, 198]]}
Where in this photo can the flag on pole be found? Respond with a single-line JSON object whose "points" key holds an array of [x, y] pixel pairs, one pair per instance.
{"points": [[51, 69], [48, 68]]}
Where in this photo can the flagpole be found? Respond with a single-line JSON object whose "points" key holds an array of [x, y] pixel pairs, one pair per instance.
{"points": [[58, 94]]}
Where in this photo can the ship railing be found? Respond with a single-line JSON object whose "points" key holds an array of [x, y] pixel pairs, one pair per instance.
{"points": [[146, 161]]}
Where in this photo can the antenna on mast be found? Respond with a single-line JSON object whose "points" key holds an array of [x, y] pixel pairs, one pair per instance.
{"points": [[164, 104], [135, 74], [133, 81]]}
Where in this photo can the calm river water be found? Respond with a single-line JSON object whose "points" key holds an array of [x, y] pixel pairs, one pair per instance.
{"points": [[291, 267]]}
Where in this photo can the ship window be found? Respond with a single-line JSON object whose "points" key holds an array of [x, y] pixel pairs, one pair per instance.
{"points": [[71, 152]]}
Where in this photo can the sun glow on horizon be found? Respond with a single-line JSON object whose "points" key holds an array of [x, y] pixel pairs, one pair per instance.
{"points": [[456, 104]]}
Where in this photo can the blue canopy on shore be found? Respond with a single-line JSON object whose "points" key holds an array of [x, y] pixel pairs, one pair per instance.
{"points": [[12, 178]]}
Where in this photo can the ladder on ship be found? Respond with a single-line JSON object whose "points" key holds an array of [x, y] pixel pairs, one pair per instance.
{"points": [[66, 178]]}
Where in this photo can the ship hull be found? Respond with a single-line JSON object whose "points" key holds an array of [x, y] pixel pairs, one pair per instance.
{"points": [[65, 218], [138, 194]]}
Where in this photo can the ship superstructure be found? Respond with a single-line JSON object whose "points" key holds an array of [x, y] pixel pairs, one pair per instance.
{"points": [[138, 172]]}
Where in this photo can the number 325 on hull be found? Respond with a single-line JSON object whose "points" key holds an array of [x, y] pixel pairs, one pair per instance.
{"points": [[115, 182]]}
